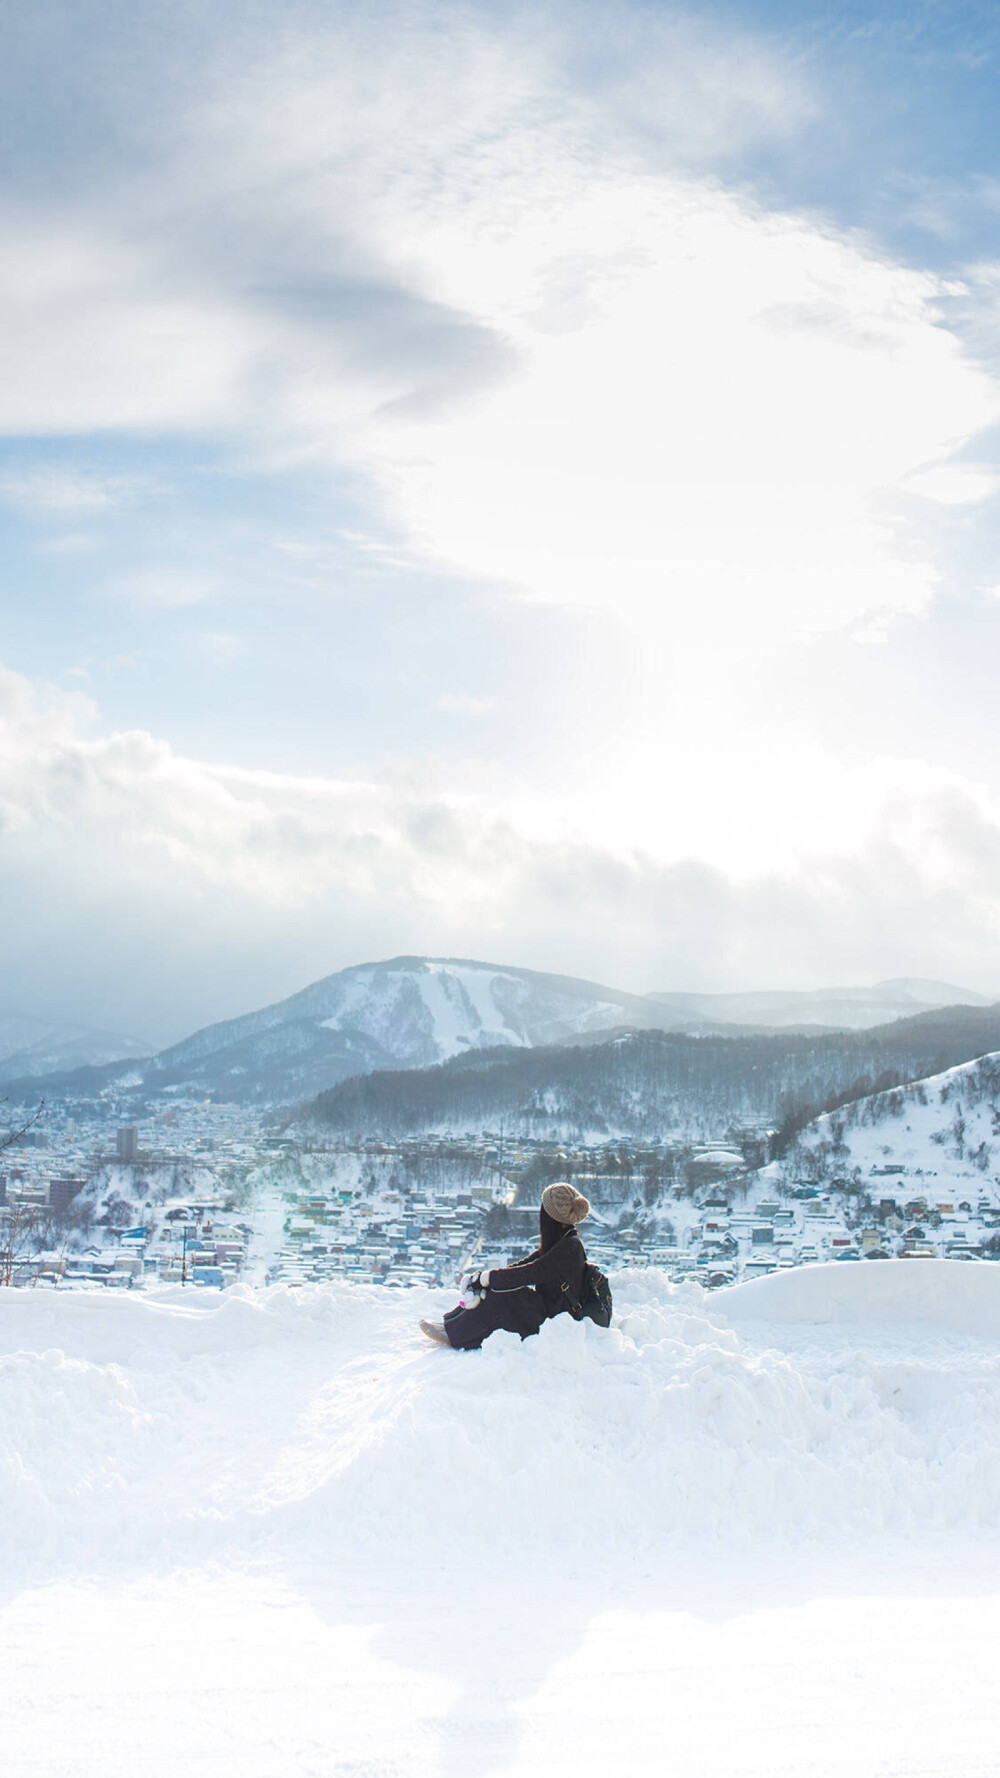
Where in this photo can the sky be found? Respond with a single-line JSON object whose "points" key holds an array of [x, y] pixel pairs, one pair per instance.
{"points": [[496, 481]]}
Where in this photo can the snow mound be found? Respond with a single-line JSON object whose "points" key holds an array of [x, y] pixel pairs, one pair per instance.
{"points": [[949, 1295], [318, 1424]]}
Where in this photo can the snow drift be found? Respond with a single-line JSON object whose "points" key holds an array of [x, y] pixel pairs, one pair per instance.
{"points": [[827, 1403]]}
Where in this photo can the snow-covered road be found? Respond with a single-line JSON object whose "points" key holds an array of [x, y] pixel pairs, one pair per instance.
{"points": [[276, 1533]]}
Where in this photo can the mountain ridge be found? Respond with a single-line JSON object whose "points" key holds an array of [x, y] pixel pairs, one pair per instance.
{"points": [[654, 1085], [847, 1008], [402, 1012], [33, 1046], [412, 1012]]}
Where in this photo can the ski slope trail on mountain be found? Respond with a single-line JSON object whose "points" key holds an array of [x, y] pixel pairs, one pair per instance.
{"points": [[275, 1532]]}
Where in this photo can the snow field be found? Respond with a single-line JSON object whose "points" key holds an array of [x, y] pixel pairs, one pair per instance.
{"points": [[301, 1676], [318, 1423], [277, 1534]]}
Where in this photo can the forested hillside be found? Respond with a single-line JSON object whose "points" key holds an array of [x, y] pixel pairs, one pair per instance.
{"points": [[655, 1084]]}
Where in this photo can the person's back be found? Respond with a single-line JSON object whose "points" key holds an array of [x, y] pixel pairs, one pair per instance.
{"points": [[559, 1260], [521, 1296]]}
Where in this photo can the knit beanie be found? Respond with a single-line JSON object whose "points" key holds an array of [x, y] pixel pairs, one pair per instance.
{"points": [[564, 1203]]}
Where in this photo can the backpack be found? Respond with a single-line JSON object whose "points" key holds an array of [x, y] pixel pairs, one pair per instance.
{"points": [[594, 1299]]}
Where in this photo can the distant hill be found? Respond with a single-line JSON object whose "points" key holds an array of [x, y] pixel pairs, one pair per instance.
{"points": [[31, 1046], [421, 1012], [938, 1138], [656, 1085], [851, 1009], [409, 1012]]}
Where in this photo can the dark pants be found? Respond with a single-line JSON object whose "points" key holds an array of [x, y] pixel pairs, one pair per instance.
{"points": [[518, 1311]]}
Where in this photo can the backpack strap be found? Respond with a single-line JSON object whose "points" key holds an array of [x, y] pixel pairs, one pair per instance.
{"points": [[575, 1307]]}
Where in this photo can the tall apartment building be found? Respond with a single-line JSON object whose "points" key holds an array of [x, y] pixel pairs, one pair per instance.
{"points": [[62, 1192], [128, 1143]]}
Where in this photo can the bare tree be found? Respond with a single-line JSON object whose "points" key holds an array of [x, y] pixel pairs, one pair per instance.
{"points": [[12, 1137], [22, 1233], [22, 1225], [119, 1212]]}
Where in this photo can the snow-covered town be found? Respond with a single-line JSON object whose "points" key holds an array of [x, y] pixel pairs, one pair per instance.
{"points": [[207, 1194]]}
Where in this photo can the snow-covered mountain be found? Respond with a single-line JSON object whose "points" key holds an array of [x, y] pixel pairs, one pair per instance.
{"points": [[409, 1012], [413, 1012], [844, 1009], [32, 1046]]}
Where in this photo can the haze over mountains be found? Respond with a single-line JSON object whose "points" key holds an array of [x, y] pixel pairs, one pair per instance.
{"points": [[405, 1013], [35, 1046], [416, 1012], [838, 1009]]}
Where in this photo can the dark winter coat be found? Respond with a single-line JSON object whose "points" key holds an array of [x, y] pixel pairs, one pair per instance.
{"points": [[520, 1297]]}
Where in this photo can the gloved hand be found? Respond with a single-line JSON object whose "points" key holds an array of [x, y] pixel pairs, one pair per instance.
{"points": [[475, 1285]]}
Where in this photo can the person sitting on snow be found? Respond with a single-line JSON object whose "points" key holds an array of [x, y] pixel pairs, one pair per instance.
{"points": [[520, 1297]]}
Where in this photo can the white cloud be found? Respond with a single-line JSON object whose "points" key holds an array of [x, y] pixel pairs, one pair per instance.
{"points": [[953, 484], [97, 334], [678, 451], [142, 848], [462, 703], [562, 370], [63, 493], [708, 410], [165, 589], [552, 351], [700, 95]]}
